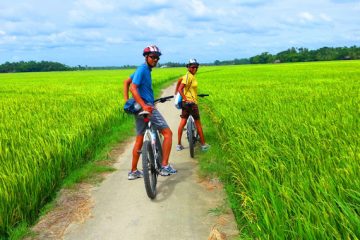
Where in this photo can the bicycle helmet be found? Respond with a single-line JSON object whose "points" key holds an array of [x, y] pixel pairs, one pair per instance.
{"points": [[192, 61], [151, 49]]}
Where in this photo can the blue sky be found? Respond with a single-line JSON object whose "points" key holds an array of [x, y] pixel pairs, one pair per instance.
{"points": [[114, 32]]}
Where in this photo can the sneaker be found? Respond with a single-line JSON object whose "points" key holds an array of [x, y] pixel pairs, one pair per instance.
{"points": [[168, 170], [135, 174], [179, 147], [205, 147]]}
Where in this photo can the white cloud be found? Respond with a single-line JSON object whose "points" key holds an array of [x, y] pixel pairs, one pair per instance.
{"points": [[114, 40], [59, 37], [158, 24], [209, 29], [217, 42], [98, 6], [160, 1], [198, 7], [325, 17], [306, 17], [6, 39]]}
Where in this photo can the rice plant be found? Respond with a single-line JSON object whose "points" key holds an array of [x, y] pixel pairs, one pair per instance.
{"points": [[51, 123], [290, 136]]}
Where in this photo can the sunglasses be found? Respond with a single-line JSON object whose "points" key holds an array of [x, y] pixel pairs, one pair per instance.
{"points": [[194, 67], [154, 57]]}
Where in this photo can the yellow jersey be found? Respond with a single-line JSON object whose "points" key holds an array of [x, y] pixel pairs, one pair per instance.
{"points": [[190, 89]]}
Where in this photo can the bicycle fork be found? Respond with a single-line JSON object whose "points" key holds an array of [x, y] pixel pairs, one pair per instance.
{"points": [[153, 137]]}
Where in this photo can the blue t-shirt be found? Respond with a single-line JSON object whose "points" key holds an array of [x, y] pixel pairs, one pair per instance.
{"points": [[142, 78]]}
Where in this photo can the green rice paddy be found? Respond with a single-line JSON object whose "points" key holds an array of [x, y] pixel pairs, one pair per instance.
{"points": [[288, 138]]}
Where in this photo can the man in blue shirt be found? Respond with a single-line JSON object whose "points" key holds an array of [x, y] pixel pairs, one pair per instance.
{"points": [[141, 89]]}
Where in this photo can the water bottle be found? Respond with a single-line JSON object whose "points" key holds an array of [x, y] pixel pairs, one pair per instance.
{"points": [[137, 107], [153, 137]]}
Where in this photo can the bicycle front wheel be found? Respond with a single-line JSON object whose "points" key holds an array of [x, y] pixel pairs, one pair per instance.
{"points": [[149, 171], [191, 137]]}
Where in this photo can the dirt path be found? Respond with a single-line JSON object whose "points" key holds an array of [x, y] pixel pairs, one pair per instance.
{"points": [[183, 209]]}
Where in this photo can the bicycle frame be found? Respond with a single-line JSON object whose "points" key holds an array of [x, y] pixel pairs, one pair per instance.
{"points": [[191, 131], [152, 135], [151, 152]]}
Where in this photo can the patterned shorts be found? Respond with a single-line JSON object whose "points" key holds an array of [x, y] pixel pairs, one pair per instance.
{"points": [[188, 109], [156, 118]]}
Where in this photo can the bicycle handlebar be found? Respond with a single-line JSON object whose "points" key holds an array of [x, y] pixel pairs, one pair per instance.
{"points": [[163, 99]]}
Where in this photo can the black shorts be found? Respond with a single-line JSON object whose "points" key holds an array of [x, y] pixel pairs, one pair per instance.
{"points": [[188, 109]]}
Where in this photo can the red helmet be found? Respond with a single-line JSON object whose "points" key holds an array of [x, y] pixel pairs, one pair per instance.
{"points": [[151, 49]]}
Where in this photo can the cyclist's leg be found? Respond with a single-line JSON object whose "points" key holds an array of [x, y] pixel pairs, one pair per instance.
{"points": [[135, 152], [185, 113], [160, 123], [140, 130], [166, 169], [196, 115], [200, 131], [166, 132], [181, 129]]}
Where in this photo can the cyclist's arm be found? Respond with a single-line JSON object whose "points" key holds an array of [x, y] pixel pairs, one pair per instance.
{"points": [[180, 89], [177, 85], [127, 83], [138, 99]]}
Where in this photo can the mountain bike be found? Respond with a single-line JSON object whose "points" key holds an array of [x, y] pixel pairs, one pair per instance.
{"points": [[191, 131], [151, 152]]}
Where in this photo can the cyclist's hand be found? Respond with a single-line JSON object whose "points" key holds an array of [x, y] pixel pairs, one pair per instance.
{"points": [[148, 108]]}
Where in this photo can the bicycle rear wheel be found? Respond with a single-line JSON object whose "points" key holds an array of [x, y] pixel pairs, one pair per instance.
{"points": [[149, 171], [191, 137]]}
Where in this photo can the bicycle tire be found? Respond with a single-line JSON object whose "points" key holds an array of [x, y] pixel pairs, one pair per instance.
{"points": [[149, 171], [191, 138]]}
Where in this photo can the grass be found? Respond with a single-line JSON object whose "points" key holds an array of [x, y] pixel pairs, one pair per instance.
{"points": [[54, 126], [288, 139], [285, 141]]}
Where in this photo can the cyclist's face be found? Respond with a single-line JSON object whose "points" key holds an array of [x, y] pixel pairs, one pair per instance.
{"points": [[152, 60], [193, 69]]}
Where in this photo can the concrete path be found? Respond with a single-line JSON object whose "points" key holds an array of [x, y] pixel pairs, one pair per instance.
{"points": [[181, 210]]}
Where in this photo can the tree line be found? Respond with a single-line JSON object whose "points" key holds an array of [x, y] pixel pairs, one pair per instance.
{"points": [[47, 66], [291, 55], [299, 55], [33, 66]]}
